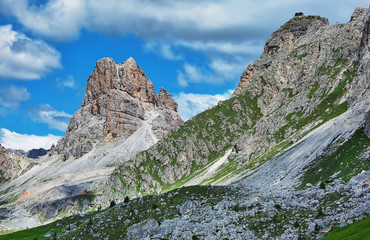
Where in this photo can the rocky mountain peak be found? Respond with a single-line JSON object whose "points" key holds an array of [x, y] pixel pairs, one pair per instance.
{"points": [[164, 99], [127, 77], [289, 32], [119, 98], [130, 62]]}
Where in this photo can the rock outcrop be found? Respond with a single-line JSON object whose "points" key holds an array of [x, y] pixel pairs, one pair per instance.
{"points": [[11, 165], [118, 100]]}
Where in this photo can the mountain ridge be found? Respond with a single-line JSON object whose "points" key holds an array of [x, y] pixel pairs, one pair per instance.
{"points": [[302, 80]]}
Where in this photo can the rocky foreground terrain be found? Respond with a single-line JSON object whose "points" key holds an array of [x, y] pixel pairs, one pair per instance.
{"points": [[287, 157], [232, 212]]}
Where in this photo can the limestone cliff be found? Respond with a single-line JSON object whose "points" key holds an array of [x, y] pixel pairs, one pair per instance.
{"points": [[118, 100]]}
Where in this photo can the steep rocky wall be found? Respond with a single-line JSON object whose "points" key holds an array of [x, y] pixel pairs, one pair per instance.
{"points": [[309, 73], [118, 100]]}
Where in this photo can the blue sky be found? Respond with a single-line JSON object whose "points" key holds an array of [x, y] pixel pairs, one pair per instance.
{"points": [[197, 50]]}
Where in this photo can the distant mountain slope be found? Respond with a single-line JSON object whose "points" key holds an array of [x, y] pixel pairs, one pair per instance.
{"points": [[11, 165], [33, 153]]}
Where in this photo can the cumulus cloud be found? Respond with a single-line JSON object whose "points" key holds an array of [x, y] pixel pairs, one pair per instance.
{"points": [[234, 19], [60, 19], [190, 104], [47, 114], [11, 139], [24, 58], [11, 97]]}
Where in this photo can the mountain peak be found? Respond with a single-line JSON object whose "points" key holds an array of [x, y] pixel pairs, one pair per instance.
{"points": [[117, 100], [130, 61]]}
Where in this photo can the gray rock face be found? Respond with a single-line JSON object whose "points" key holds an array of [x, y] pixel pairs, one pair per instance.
{"points": [[142, 230], [118, 99], [307, 70]]}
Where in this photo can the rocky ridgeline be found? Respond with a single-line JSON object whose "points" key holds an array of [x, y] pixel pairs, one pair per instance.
{"points": [[33, 153], [118, 100], [309, 73]]}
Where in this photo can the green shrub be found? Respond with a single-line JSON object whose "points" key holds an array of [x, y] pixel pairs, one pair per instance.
{"points": [[126, 200], [237, 207], [322, 185], [320, 212], [112, 203], [296, 224]]}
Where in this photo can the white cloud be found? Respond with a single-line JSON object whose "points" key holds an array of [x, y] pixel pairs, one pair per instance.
{"points": [[60, 19], [162, 49], [190, 104], [232, 30], [182, 19], [10, 139], [225, 47], [68, 82], [55, 119], [217, 72], [11, 97], [24, 58]]}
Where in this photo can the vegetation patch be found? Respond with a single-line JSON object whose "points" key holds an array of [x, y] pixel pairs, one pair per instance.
{"points": [[344, 161], [354, 231], [315, 87], [290, 91]]}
